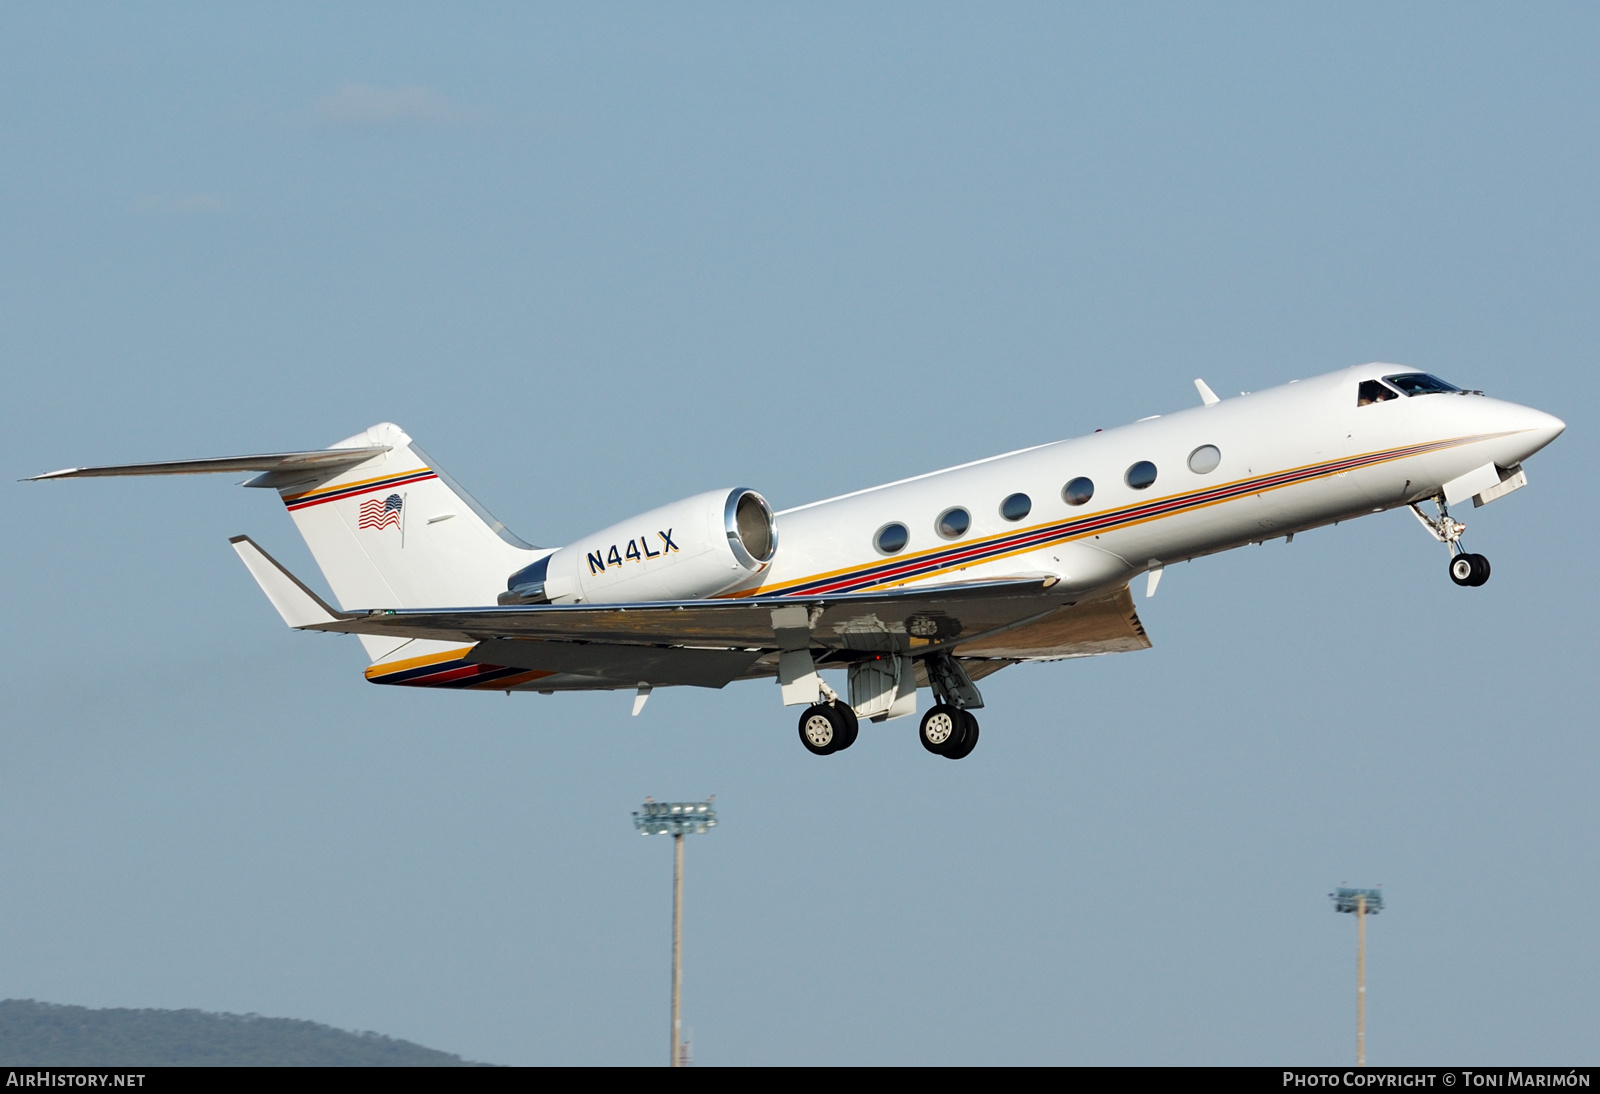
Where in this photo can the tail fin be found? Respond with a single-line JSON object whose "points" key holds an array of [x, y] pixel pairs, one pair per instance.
{"points": [[394, 531], [388, 528]]}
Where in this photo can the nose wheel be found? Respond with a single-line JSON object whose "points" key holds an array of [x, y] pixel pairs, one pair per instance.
{"points": [[948, 731], [826, 728], [1465, 568]]}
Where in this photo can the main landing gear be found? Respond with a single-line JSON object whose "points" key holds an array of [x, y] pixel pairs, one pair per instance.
{"points": [[826, 728], [948, 731], [1465, 568]]}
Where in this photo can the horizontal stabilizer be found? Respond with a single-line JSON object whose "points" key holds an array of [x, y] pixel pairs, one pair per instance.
{"points": [[299, 606], [322, 459]]}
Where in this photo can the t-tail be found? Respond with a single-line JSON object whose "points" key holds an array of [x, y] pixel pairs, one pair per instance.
{"points": [[394, 531], [387, 526]]}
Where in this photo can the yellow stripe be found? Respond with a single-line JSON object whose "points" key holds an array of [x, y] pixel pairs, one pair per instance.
{"points": [[1400, 453], [388, 668], [348, 485]]}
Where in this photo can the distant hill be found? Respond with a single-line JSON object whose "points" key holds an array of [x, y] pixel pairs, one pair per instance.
{"points": [[36, 1034]]}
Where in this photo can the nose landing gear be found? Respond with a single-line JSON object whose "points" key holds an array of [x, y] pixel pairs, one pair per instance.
{"points": [[1468, 569], [1465, 568]]}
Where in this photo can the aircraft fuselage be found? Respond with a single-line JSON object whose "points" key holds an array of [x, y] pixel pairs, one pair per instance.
{"points": [[932, 582], [1287, 459]]}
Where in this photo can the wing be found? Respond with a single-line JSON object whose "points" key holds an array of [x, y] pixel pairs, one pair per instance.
{"points": [[1105, 623], [904, 620], [708, 643]]}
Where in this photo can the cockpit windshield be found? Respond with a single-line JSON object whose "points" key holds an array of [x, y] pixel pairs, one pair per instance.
{"points": [[1419, 383]]}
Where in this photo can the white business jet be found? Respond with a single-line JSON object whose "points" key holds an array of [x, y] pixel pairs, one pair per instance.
{"points": [[931, 582]]}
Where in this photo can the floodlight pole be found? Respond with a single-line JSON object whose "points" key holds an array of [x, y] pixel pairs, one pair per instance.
{"points": [[1361, 980], [1360, 902], [676, 819], [677, 948]]}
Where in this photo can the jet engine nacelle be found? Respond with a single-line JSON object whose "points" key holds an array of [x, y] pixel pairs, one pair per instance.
{"points": [[693, 548]]}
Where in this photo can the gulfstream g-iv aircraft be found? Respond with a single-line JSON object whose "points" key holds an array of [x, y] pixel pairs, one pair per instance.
{"points": [[931, 582]]}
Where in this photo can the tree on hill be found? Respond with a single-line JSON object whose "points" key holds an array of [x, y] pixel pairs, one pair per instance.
{"points": [[34, 1034]]}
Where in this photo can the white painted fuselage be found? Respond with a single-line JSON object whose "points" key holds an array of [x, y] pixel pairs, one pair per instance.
{"points": [[1291, 458], [919, 583]]}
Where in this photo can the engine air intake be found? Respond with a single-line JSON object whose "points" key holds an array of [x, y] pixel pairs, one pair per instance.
{"points": [[750, 528]]}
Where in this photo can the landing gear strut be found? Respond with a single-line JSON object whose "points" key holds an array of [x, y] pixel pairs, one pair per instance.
{"points": [[826, 728], [948, 731], [1465, 568]]}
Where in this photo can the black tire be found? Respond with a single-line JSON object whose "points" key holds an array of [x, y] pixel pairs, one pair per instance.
{"points": [[1482, 567], [941, 729], [1463, 569], [969, 738], [852, 726], [822, 728]]}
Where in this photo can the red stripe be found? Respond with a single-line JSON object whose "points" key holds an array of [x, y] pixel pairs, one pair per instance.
{"points": [[1075, 529], [445, 677], [357, 491]]}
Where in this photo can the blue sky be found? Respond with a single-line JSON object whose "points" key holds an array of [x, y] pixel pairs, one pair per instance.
{"points": [[599, 258]]}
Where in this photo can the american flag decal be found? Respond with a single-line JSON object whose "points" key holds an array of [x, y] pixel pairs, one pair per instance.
{"points": [[380, 514]]}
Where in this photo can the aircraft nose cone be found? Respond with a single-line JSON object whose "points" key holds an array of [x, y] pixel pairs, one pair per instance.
{"points": [[1535, 428], [1544, 427], [1550, 428]]}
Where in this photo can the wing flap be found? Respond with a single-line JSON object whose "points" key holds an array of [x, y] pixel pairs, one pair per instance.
{"points": [[626, 666], [1104, 624]]}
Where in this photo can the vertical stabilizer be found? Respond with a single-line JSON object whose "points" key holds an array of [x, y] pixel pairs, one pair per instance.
{"points": [[387, 527], [395, 532]]}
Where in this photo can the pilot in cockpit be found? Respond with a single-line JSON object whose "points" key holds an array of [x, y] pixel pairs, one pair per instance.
{"points": [[1371, 391]]}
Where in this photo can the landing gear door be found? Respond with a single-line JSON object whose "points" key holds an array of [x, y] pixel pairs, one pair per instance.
{"points": [[883, 688]]}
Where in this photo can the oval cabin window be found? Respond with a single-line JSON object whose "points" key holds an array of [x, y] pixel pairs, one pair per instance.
{"points": [[892, 538], [1016, 507], [1078, 491], [1140, 475], [1204, 460], [953, 523]]}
